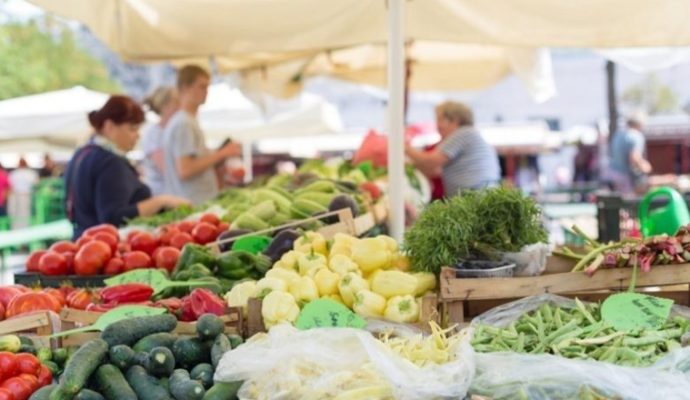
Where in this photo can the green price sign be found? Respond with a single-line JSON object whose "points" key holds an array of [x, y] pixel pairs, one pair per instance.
{"points": [[325, 313], [252, 244], [631, 311]]}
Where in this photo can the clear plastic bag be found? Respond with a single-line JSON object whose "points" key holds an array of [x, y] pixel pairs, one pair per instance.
{"points": [[328, 363], [530, 260]]}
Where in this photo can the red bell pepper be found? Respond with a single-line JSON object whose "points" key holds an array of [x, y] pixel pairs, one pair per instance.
{"points": [[204, 301], [172, 304], [126, 293]]}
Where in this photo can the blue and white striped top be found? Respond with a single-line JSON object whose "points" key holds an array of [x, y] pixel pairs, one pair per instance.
{"points": [[472, 162]]}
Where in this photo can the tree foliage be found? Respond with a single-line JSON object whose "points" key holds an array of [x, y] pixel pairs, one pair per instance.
{"points": [[36, 58], [652, 96]]}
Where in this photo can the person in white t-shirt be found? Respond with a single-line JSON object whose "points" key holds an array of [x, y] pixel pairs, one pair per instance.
{"points": [[164, 102], [22, 180]]}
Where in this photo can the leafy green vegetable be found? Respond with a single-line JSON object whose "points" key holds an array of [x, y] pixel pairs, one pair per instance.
{"points": [[474, 225]]}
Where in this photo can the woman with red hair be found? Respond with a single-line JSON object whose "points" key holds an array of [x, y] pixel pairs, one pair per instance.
{"points": [[101, 185]]}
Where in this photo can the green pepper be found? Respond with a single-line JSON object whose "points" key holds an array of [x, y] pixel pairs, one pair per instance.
{"points": [[193, 254], [199, 270], [235, 264]]}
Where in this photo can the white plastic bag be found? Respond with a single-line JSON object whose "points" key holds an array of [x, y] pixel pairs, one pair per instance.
{"points": [[530, 260], [327, 363]]}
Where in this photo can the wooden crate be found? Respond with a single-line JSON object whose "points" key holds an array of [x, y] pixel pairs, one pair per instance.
{"points": [[71, 318], [464, 298], [38, 326], [429, 312]]}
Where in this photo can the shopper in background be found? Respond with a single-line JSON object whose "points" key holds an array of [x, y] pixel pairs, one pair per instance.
{"points": [[189, 164], [22, 180], [48, 169], [164, 102], [4, 190], [628, 168], [463, 159], [101, 185]]}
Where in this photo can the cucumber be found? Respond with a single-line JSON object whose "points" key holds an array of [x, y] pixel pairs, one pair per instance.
{"points": [[82, 364], [60, 356], [189, 352], [60, 393], [161, 362], [112, 384], [235, 340], [161, 339], [220, 346], [208, 326], [122, 356], [53, 367], [23, 348], [183, 388], [223, 391], [204, 374], [43, 393], [145, 386], [86, 394], [129, 331], [164, 383]]}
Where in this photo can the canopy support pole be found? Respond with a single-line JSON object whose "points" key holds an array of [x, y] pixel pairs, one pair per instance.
{"points": [[247, 161], [396, 116]]}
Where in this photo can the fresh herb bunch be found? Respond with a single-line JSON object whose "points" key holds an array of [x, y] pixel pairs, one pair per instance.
{"points": [[474, 225]]}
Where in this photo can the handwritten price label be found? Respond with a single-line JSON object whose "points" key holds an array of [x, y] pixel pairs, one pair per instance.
{"points": [[631, 311]]}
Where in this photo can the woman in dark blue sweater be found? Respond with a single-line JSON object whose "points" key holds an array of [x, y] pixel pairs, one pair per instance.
{"points": [[101, 185]]}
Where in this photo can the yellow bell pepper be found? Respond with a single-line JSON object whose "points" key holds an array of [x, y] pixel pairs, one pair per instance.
{"points": [[239, 295], [326, 281], [393, 283], [369, 304], [344, 239], [403, 309], [267, 284], [371, 254], [340, 249], [425, 281], [286, 275], [311, 241], [401, 262], [308, 262], [289, 260], [304, 290], [390, 242], [279, 307], [341, 265], [335, 297], [349, 285]]}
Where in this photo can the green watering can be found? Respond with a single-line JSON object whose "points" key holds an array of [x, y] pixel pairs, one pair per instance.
{"points": [[666, 219]]}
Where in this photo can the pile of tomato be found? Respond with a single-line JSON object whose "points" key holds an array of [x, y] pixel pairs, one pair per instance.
{"points": [[101, 251], [21, 375]]}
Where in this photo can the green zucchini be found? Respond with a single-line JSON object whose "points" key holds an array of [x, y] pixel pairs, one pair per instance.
{"points": [[208, 326], [235, 340], [189, 352], [111, 383], [223, 391], [82, 364], [161, 339], [183, 388], [220, 346], [43, 393], [129, 331], [204, 374], [145, 386], [161, 362], [121, 356], [87, 394], [60, 356], [60, 393]]}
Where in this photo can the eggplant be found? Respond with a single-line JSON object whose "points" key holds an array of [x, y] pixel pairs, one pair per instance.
{"points": [[338, 203], [281, 244], [230, 234]]}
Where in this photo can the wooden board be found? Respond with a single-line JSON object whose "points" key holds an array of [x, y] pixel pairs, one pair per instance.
{"points": [[37, 325]]}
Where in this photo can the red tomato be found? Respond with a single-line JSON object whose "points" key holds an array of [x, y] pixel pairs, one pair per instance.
{"points": [[22, 288], [6, 394], [55, 293], [112, 229], [131, 234], [63, 246], [45, 377], [7, 293], [222, 227], [186, 226], [115, 266], [80, 299], [84, 240], [167, 233], [32, 261], [124, 247], [2, 316], [27, 363], [32, 379], [8, 365], [20, 388], [166, 257], [145, 242], [91, 258], [180, 239], [69, 256], [30, 302], [109, 239], [66, 289], [205, 233], [210, 218], [53, 263], [136, 260]]}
